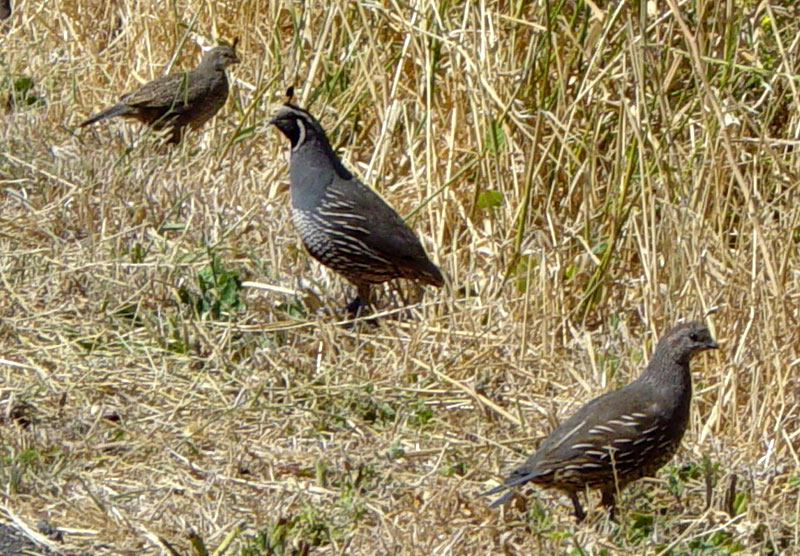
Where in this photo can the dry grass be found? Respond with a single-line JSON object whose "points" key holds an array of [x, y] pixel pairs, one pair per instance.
{"points": [[646, 170]]}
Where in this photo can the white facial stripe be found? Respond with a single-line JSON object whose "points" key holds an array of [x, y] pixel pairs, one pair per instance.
{"points": [[302, 138]]}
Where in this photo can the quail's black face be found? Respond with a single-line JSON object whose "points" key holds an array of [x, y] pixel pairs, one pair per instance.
{"points": [[303, 130], [293, 123]]}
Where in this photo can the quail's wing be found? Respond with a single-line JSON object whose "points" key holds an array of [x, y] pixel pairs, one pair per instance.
{"points": [[383, 229], [613, 433], [174, 90]]}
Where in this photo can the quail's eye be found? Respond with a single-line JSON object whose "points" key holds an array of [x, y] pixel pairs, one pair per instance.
{"points": [[694, 336]]}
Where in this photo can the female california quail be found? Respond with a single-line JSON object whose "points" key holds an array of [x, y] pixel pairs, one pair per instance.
{"points": [[178, 99], [622, 435], [343, 223]]}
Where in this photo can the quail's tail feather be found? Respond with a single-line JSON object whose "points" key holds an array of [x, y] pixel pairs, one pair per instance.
{"points": [[431, 274], [116, 110], [503, 500], [419, 268], [495, 490], [512, 481]]}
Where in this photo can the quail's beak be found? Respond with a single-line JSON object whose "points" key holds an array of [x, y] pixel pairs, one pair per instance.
{"points": [[274, 119], [712, 345]]}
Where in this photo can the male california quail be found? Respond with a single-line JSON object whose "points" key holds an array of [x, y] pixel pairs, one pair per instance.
{"points": [[343, 223], [623, 435], [178, 99]]}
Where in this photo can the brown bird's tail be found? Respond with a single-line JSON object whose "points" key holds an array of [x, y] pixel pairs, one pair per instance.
{"points": [[116, 110]]}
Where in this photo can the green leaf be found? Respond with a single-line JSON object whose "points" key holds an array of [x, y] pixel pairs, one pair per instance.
{"points": [[495, 138], [740, 503], [23, 84], [490, 199], [524, 267], [600, 248], [219, 289]]}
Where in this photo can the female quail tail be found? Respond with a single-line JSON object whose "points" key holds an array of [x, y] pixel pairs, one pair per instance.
{"points": [[622, 435], [343, 223]]}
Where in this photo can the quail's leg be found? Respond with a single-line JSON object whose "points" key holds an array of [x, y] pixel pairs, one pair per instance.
{"points": [[356, 307], [609, 501], [175, 135], [579, 513]]}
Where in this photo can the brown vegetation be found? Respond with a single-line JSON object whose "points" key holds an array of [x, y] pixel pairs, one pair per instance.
{"points": [[586, 176]]}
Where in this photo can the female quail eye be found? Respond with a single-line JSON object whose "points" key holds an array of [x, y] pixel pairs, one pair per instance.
{"points": [[694, 337]]}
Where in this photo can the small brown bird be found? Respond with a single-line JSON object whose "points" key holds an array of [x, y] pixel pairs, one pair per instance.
{"points": [[623, 435], [178, 99]]}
